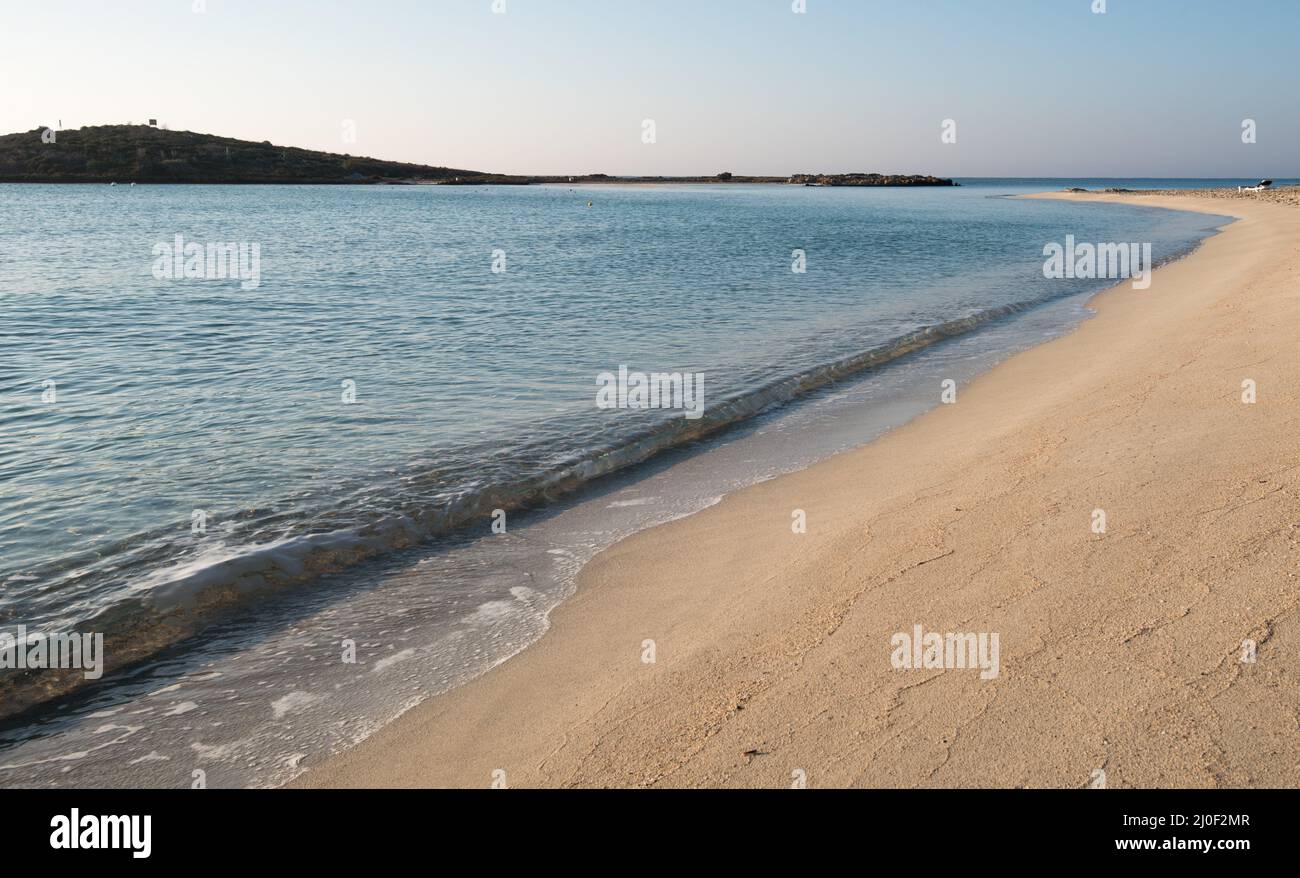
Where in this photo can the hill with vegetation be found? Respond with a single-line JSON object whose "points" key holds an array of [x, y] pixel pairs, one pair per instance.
{"points": [[144, 154], [147, 154]]}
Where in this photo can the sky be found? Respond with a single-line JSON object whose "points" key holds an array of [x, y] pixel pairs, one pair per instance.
{"points": [[1034, 87]]}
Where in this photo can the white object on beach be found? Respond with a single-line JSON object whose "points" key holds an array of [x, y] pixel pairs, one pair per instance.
{"points": [[1258, 187]]}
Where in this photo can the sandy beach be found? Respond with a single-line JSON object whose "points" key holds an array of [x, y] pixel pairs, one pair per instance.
{"points": [[1120, 651]]}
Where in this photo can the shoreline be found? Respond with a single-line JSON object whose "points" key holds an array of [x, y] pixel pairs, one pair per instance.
{"points": [[770, 656], [152, 631]]}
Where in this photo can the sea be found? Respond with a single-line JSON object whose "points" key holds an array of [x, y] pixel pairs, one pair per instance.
{"points": [[354, 452]]}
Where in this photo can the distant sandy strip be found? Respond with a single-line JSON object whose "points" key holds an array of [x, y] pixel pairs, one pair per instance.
{"points": [[1120, 652]]}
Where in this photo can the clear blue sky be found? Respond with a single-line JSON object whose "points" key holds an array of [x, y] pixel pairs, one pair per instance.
{"points": [[1036, 87]]}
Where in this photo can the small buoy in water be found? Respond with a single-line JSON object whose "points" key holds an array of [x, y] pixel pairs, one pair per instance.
{"points": [[132, 185], [589, 204], [113, 183]]}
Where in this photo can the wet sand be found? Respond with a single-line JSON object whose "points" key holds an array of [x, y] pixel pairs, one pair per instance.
{"points": [[1120, 652]]}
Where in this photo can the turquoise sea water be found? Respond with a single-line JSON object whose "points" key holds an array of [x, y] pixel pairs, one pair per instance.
{"points": [[382, 388]]}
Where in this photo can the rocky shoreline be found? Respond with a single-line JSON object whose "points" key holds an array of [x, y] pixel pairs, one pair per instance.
{"points": [[792, 180], [1276, 195]]}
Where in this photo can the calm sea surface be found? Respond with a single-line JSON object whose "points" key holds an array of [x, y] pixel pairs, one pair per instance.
{"points": [[222, 478]]}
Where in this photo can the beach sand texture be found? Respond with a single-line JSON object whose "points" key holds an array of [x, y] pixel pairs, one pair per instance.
{"points": [[1120, 652]]}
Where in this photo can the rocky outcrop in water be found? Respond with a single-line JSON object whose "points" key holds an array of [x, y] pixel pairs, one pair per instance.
{"points": [[869, 180]]}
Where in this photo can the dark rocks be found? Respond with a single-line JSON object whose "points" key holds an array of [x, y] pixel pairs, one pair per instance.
{"points": [[868, 180]]}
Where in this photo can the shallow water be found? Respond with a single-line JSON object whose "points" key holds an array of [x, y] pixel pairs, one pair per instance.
{"points": [[370, 522]]}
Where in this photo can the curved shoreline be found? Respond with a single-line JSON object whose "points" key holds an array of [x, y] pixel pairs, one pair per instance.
{"points": [[744, 620], [183, 606]]}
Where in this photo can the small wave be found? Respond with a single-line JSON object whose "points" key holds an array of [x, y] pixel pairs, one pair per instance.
{"points": [[175, 602]]}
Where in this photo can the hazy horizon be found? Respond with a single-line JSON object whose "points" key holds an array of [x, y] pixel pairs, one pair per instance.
{"points": [[1159, 89]]}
